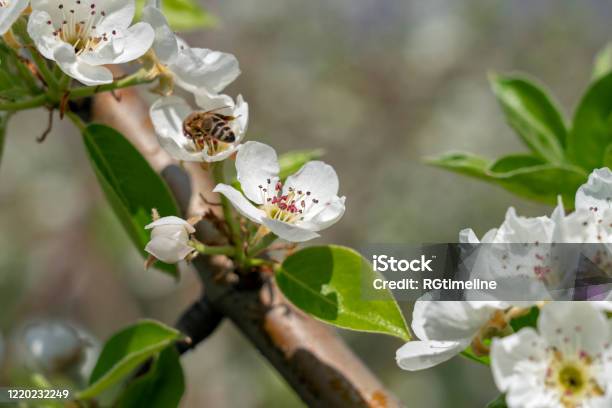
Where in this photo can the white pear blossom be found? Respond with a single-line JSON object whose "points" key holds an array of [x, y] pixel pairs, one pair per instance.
{"points": [[445, 329], [193, 69], [170, 239], [307, 202], [565, 363], [171, 115], [10, 10], [83, 36]]}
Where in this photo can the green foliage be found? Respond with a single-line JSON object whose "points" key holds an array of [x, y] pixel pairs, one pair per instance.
{"points": [[16, 81], [469, 353], [603, 62], [499, 402], [559, 160], [125, 351], [184, 15], [161, 387], [131, 186], [532, 114], [522, 174], [592, 128], [326, 282]]}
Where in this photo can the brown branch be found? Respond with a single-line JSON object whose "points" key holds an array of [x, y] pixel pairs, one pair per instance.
{"points": [[309, 355]]}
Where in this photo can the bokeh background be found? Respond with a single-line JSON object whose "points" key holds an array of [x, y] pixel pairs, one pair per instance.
{"points": [[379, 84]]}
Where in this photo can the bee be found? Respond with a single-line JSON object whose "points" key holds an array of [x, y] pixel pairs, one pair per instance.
{"points": [[209, 127]]}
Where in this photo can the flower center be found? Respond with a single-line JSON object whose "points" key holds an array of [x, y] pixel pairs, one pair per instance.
{"points": [[289, 207], [573, 378], [78, 26]]}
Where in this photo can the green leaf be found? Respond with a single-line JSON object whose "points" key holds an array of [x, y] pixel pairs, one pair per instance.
{"points": [[326, 282], [499, 402], [607, 160], [161, 387], [184, 15], [603, 63], [125, 351], [462, 163], [514, 162], [291, 162], [521, 175], [533, 115], [14, 77], [132, 187], [592, 128]]}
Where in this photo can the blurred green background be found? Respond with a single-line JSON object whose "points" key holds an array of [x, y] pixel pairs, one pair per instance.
{"points": [[378, 84]]}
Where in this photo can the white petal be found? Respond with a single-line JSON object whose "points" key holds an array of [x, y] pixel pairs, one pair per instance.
{"points": [[452, 320], [42, 33], [508, 354], [165, 44], [202, 69], [468, 236], [256, 165], [577, 326], [118, 15], [10, 13], [168, 250], [419, 355], [597, 192], [331, 212], [319, 178], [138, 40], [171, 220], [289, 232], [241, 204], [87, 74], [167, 115], [525, 230], [222, 155]]}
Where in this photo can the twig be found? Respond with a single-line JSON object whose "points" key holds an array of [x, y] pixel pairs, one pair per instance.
{"points": [[310, 356]]}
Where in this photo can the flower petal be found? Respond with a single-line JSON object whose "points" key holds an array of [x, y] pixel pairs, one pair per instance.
{"points": [[452, 320], [240, 203], [508, 352], [419, 355], [289, 232], [256, 165], [167, 249], [137, 41], [575, 326], [87, 74], [165, 44], [331, 212], [597, 192], [42, 33], [171, 220], [118, 15], [10, 13], [318, 178], [199, 68]]}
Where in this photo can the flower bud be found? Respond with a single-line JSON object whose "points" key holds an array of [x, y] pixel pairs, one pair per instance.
{"points": [[170, 239]]}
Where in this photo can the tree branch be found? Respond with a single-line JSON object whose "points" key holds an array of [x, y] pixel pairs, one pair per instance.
{"points": [[310, 356]]}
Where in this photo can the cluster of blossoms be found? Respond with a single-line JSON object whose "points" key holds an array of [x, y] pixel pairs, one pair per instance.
{"points": [[566, 361], [85, 37]]}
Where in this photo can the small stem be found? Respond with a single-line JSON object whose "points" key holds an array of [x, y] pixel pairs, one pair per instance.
{"points": [[34, 102], [212, 250], [262, 244], [140, 77], [77, 121], [218, 175]]}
